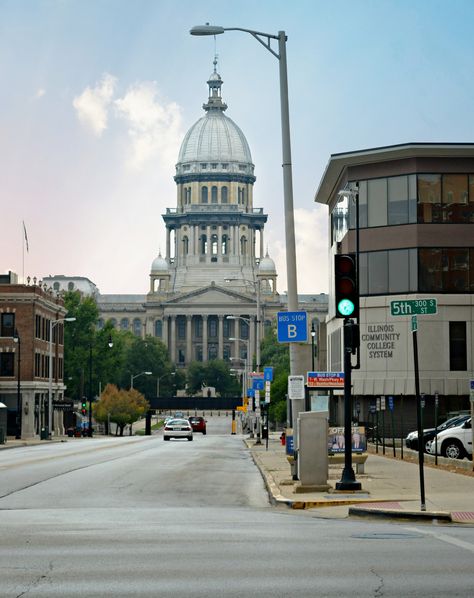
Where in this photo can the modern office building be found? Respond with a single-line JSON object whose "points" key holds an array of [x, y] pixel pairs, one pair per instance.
{"points": [[416, 241]]}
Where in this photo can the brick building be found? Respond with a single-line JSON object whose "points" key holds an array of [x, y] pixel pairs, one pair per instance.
{"points": [[28, 315]]}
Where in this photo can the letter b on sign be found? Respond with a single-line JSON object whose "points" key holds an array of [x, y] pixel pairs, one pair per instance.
{"points": [[292, 331]]}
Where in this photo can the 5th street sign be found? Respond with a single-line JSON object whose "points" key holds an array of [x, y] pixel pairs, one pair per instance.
{"points": [[413, 307]]}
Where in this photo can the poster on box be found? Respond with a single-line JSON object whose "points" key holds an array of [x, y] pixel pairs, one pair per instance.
{"points": [[336, 442]]}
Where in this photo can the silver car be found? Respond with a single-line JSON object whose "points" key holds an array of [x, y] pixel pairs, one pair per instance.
{"points": [[177, 428]]}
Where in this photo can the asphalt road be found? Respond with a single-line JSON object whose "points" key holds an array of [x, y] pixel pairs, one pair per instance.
{"points": [[136, 516]]}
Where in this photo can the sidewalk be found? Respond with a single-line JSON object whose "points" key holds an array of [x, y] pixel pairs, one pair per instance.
{"points": [[390, 488]]}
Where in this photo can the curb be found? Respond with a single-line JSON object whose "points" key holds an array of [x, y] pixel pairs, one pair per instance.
{"points": [[398, 514]]}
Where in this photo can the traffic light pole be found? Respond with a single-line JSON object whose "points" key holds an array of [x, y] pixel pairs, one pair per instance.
{"points": [[348, 480]]}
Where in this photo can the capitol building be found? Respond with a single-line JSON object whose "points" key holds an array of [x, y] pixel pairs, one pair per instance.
{"points": [[214, 291]]}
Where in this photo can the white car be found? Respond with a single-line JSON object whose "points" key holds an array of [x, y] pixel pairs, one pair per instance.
{"points": [[177, 428], [454, 443]]}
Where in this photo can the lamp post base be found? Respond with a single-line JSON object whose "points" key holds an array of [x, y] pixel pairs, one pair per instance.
{"points": [[348, 481]]}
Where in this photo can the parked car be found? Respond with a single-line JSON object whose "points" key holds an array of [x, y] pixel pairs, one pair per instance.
{"points": [[178, 428], [411, 440], [198, 424], [455, 442]]}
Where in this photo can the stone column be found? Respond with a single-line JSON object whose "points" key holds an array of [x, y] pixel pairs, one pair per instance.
{"points": [[220, 346], [165, 331], [204, 338], [173, 339], [189, 344], [168, 243]]}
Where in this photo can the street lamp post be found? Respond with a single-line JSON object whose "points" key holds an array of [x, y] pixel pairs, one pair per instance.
{"points": [[132, 378], [52, 324], [313, 334], [158, 381], [256, 284], [17, 339], [265, 40]]}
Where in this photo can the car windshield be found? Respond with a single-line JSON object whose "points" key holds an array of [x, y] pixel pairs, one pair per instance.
{"points": [[178, 422], [452, 422]]}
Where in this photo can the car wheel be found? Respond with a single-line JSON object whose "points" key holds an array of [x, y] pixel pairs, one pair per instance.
{"points": [[190, 438], [452, 449], [427, 445], [166, 437]]}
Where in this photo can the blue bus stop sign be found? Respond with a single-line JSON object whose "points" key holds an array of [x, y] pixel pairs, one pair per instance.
{"points": [[268, 374], [292, 327]]}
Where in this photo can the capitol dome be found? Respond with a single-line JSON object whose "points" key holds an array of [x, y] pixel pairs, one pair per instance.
{"points": [[215, 144], [159, 265]]}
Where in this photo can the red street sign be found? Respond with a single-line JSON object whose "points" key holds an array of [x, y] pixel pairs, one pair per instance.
{"points": [[325, 380]]}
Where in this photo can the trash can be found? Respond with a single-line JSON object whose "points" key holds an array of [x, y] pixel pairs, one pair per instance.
{"points": [[44, 434]]}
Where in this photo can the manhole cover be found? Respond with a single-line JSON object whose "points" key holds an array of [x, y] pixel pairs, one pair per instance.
{"points": [[387, 536]]}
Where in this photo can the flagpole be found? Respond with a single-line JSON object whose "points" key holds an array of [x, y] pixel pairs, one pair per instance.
{"points": [[23, 252]]}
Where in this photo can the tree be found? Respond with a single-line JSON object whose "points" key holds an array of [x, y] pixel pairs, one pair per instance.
{"points": [[122, 407], [277, 355], [215, 373]]}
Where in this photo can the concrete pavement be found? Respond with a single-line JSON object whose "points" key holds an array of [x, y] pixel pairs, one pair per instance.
{"points": [[390, 487]]}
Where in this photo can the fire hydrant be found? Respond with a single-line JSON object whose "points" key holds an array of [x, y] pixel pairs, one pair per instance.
{"points": [[283, 438]]}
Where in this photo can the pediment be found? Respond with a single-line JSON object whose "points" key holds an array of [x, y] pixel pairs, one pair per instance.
{"points": [[212, 295]]}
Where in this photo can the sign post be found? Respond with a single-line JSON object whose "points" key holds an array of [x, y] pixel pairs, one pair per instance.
{"points": [[414, 307]]}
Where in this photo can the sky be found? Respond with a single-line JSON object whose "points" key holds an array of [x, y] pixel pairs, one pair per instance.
{"points": [[97, 95]]}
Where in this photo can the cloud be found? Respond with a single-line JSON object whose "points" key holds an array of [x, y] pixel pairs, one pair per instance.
{"points": [[311, 252], [93, 103], [154, 127]]}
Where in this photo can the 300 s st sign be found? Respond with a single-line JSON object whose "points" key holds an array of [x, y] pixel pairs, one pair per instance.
{"points": [[413, 306]]}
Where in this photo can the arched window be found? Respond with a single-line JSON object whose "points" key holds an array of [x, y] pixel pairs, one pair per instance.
{"points": [[243, 195], [224, 194], [214, 244], [137, 327], [214, 194], [113, 322], [243, 246], [158, 328], [70, 286], [225, 244], [185, 245], [124, 324], [204, 195], [56, 286]]}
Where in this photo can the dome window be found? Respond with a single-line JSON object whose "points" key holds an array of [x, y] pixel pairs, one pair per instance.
{"points": [[224, 194], [203, 165], [224, 166], [204, 195], [158, 328], [214, 195], [214, 166], [186, 166]]}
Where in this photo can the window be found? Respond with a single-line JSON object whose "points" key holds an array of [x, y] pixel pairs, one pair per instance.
{"points": [[181, 356], [7, 324], [137, 327], [198, 328], [70, 286], [429, 198], [398, 271], [203, 244], [213, 166], [226, 353], [124, 324], [398, 200], [100, 324], [203, 165], [214, 244], [7, 364], [377, 202], [447, 270], [113, 322], [158, 328], [212, 352], [378, 272], [224, 195], [214, 194], [224, 166], [185, 245], [225, 240], [56, 286], [457, 346], [181, 325], [244, 329], [204, 195], [212, 327]]}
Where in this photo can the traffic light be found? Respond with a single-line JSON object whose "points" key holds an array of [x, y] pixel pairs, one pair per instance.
{"points": [[84, 407], [347, 293]]}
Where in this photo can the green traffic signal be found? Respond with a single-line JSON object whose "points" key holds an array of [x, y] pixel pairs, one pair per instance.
{"points": [[346, 307]]}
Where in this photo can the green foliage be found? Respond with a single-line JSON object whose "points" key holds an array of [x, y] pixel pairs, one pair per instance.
{"points": [[277, 355], [214, 373], [122, 407]]}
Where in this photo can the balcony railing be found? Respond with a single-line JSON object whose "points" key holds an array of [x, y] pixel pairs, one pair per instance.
{"points": [[199, 209]]}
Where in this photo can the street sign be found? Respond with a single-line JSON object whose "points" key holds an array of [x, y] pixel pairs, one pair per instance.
{"points": [[250, 393], [292, 327], [414, 324], [295, 387], [268, 374], [471, 390], [414, 306], [256, 380], [325, 379]]}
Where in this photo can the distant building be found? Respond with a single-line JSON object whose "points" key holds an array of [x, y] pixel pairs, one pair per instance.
{"points": [[416, 223], [215, 264], [26, 312]]}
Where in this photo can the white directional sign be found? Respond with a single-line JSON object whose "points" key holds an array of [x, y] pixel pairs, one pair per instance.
{"points": [[295, 387]]}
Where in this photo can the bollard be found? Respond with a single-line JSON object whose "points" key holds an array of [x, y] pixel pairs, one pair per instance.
{"points": [[283, 439]]}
